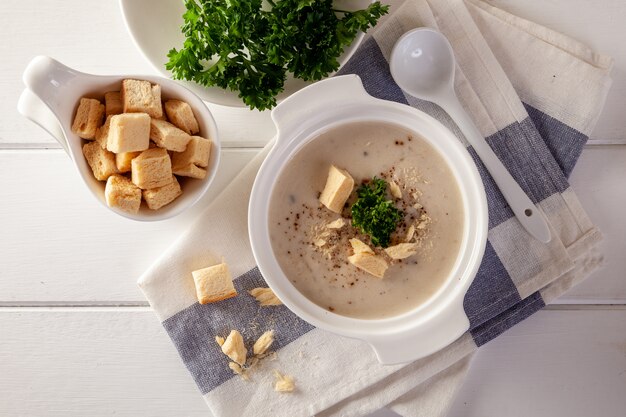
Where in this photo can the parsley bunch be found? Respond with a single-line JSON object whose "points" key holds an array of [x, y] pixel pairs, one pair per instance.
{"points": [[249, 45], [373, 214]]}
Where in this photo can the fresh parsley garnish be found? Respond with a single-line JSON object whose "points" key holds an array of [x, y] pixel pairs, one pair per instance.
{"points": [[373, 214], [249, 45]]}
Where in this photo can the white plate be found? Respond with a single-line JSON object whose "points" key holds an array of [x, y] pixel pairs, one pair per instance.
{"points": [[155, 29]]}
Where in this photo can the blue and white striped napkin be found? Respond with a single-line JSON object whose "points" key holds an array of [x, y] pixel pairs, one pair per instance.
{"points": [[536, 96]]}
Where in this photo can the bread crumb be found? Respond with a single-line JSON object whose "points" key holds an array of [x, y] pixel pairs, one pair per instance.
{"points": [[263, 343], [337, 224], [283, 383], [239, 370], [401, 250], [236, 368], [359, 247], [370, 263], [423, 222], [395, 189], [409, 233], [253, 362], [319, 242], [234, 348], [265, 297]]}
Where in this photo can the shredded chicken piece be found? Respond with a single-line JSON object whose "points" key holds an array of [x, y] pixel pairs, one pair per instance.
{"points": [[263, 343], [401, 250], [234, 348], [265, 297], [283, 383], [395, 189]]}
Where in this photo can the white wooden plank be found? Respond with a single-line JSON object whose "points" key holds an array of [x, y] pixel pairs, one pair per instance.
{"points": [[91, 362], [599, 25], [598, 180], [100, 361], [60, 245], [556, 363]]}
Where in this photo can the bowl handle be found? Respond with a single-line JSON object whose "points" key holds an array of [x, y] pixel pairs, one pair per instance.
{"points": [[49, 80], [31, 106], [323, 96], [434, 335]]}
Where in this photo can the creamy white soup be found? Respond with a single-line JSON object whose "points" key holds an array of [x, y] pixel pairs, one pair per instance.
{"points": [[312, 243]]}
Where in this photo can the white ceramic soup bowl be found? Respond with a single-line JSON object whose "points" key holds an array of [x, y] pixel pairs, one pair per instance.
{"points": [[430, 326], [51, 97]]}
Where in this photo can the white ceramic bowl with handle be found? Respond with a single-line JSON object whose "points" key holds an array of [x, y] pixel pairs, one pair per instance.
{"points": [[51, 97], [432, 325]]}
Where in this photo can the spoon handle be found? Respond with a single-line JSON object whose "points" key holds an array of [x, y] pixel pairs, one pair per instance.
{"points": [[525, 211]]}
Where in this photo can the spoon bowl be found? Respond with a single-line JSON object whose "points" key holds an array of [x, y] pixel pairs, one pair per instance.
{"points": [[422, 64], [51, 97]]}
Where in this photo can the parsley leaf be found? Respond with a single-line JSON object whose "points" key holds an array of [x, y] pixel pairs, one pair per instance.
{"points": [[373, 214], [246, 46]]}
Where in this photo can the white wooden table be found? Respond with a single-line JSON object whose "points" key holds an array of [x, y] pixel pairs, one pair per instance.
{"points": [[77, 337]]}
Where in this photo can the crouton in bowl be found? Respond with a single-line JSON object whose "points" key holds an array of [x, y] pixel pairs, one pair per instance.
{"points": [[146, 147]]}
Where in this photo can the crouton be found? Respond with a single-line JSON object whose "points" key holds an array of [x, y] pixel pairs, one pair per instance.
{"points": [[151, 169], [141, 97], [161, 196], [120, 192], [101, 161], [338, 187], [198, 152], [401, 250], [123, 160], [213, 284], [102, 133], [181, 115], [168, 136], [129, 133], [370, 263], [189, 171], [88, 118], [113, 103]]}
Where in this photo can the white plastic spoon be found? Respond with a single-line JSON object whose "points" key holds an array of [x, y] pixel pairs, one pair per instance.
{"points": [[422, 64]]}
